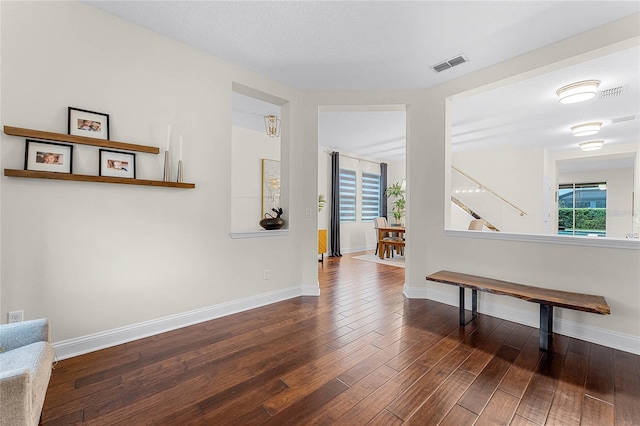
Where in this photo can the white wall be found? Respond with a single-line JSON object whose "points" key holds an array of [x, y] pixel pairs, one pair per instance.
{"points": [[94, 258], [619, 196], [610, 270], [515, 175], [248, 148]]}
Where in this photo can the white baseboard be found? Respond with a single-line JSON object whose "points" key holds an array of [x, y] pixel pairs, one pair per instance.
{"points": [[356, 249], [93, 342], [311, 290], [589, 333]]}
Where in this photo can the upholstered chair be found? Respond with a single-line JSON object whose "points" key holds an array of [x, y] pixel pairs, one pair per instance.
{"points": [[26, 358]]}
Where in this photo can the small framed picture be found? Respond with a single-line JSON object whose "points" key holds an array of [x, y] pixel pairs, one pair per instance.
{"points": [[48, 157], [88, 123], [117, 164]]}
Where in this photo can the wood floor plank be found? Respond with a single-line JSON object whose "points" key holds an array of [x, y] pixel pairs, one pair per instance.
{"points": [[364, 368], [579, 346], [256, 416], [69, 370], [436, 406], [369, 407], [537, 399], [499, 411], [600, 374], [479, 392], [418, 351], [487, 348], [150, 398], [332, 411], [385, 418], [304, 352], [165, 353], [566, 409], [227, 410], [359, 353], [410, 400], [459, 416], [308, 380], [71, 418], [520, 336], [626, 388], [596, 412], [60, 394], [521, 421], [522, 369], [297, 412]]}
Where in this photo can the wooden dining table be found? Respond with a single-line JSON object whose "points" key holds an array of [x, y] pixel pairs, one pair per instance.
{"points": [[384, 232]]}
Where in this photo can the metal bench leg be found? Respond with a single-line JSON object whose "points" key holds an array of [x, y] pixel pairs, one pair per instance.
{"points": [[462, 321], [546, 327], [474, 306]]}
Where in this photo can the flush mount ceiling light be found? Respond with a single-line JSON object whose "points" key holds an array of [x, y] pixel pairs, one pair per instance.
{"points": [[272, 125], [578, 92], [591, 145], [586, 129]]}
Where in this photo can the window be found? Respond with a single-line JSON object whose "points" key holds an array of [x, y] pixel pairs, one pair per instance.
{"points": [[582, 209], [370, 196], [347, 195]]}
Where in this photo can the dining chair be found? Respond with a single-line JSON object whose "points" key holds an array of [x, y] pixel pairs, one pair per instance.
{"points": [[381, 222]]}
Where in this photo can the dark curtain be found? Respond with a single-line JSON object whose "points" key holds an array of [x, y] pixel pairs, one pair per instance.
{"points": [[383, 190], [334, 243]]}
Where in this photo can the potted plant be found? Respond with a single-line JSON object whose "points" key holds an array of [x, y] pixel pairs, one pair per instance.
{"points": [[395, 191]]}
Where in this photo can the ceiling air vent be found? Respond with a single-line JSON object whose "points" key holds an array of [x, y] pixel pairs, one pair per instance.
{"points": [[610, 93], [622, 119], [460, 59]]}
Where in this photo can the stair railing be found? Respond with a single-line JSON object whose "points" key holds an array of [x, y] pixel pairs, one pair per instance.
{"points": [[482, 186]]}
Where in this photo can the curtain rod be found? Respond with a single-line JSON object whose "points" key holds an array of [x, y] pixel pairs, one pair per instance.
{"points": [[356, 158]]}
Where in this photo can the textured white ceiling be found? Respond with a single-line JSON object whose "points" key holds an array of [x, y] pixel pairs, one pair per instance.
{"points": [[371, 45], [364, 45]]}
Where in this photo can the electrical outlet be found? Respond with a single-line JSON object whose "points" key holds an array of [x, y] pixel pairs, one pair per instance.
{"points": [[15, 316], [266, 274]]}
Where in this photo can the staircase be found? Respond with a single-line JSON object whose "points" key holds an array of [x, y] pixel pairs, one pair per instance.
{"points": [[473, 214]]}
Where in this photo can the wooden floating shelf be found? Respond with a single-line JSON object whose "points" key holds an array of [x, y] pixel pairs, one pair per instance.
{"points": [[51, 136], [87, 178]]}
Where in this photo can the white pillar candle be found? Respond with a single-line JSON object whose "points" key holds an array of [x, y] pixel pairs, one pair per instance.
{"points": [[180, 148], [168, 136]]}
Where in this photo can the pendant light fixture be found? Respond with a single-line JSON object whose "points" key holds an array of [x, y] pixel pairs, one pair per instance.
{"points": [[272, 126]]}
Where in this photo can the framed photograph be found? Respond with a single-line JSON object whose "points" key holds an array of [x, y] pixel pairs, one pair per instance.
{"points": [[88, 123], [117, 164], [48, 157], [270, 185]]}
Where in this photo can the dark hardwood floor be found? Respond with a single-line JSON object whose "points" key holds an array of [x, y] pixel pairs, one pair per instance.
{"points": [[358, 354]]}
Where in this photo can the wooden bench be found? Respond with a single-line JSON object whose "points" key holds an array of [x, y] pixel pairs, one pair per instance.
{"points": [[547, 298]]}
